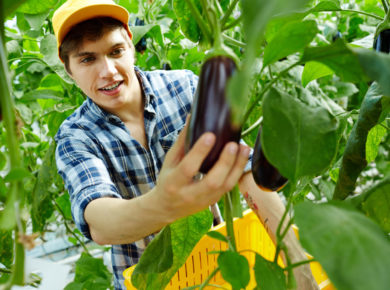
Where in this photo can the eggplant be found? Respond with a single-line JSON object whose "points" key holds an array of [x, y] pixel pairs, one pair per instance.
{"points": [[266, 176], [211, 111], [336, 36], [140, 46], [382, 41], [166, 66]]}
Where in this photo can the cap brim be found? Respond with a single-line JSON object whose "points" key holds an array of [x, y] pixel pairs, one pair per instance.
{"points": [[88, 12]]}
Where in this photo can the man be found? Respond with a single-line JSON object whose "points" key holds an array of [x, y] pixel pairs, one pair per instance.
{"points": [[112, 152]]}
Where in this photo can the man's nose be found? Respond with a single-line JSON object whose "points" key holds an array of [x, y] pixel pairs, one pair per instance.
{"points": [[108, 68]]}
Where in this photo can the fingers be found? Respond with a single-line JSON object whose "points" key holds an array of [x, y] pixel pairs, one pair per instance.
{"points": [[190, 164], [226, 172]]}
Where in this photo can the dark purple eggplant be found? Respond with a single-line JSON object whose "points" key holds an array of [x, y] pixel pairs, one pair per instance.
{"points": [[266, 176], [382, 41], [336, 36], [211, 111]]}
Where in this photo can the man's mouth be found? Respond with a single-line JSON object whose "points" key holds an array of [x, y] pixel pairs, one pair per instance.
{"points": [[111, 87]]}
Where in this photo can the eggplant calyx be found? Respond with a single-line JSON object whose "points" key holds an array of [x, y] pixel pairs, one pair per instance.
{"points": [[222, 50]]}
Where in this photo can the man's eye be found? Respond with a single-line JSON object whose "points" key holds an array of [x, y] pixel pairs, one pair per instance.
{"points": [[117, 51], [87, 59]]}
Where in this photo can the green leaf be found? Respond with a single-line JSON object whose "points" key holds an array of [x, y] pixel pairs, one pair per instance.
{"points": [[327, 5], [49, 51], [13, 49], [292, 38], [140, 31], [42, 94], [36, 21], [63, 201], [234, 269], [354, 157], [42, 205], [185, 234], [314, 70], [187, 22], [91, 273], [36, 6], [376, 204], [10, 6], [339, 58], [161, 247], [295, 127], [269, 275], [217, 235], [374, 138], [351, 248], [3, 160]]}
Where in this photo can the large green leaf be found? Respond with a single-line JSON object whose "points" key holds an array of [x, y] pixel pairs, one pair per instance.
{"points": [[234, 269], [373, 109], [140, 31], [185, 234], [269, 275], [10, 6], [306, 136], [351, 248], [292, 38]]}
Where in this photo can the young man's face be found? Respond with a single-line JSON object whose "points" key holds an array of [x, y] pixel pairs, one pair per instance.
{"points": [[104, 70]]}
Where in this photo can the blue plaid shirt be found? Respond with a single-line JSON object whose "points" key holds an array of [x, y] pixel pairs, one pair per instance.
{"points": [[97, 157]]}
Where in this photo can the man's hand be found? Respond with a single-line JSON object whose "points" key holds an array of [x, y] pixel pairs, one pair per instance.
{"points": [[176, 187]]}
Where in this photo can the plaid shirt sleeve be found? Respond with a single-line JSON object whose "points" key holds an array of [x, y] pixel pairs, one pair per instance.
{"points": [[85, 176]]}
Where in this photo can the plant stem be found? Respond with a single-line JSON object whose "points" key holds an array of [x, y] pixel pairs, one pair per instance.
{"points": [[295, 265], [279, 236], [265, 89], [232, 24], [362, 12], [229, 222], [229, 11], [16, 187], [69, 229], [385, 5], [233, 41], [252, 127], [198, 18], [205, 283]]}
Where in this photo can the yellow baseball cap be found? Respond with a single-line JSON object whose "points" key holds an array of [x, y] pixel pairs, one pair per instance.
{"points": [[73, 12]]}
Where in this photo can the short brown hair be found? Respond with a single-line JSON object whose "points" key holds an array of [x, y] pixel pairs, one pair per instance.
{"points": [[92, 29]]}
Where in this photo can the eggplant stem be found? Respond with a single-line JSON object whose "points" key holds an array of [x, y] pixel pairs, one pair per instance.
{"points": [[229, 11], [265, 89], [295, 265], [198, 18]]}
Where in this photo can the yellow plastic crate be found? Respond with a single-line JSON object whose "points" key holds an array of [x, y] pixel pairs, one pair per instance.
{"points": [[250, 234]]}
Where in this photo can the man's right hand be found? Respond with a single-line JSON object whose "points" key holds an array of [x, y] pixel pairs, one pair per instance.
{"points": [[176, 188]]}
